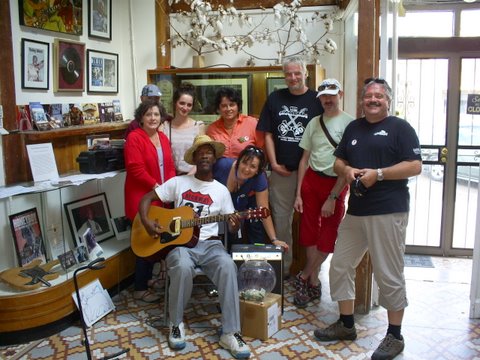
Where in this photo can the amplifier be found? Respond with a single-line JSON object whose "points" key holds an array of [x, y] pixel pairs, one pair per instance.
{"points": [[270, 253]]}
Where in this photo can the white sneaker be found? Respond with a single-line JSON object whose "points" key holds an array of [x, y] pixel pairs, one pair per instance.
{"points": [[235, 344], [176, 338]]}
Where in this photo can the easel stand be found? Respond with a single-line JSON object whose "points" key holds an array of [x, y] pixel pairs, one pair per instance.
{"points": [[94, 265]]}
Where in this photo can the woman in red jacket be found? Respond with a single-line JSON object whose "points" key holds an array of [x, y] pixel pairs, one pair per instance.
{"points": [[149, 162]]}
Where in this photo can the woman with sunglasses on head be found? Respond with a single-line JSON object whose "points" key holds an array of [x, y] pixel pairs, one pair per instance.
{"points": [[233, 129], [246, 180]]}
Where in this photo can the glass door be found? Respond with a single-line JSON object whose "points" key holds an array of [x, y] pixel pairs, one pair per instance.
{"points": [[432, 96]]}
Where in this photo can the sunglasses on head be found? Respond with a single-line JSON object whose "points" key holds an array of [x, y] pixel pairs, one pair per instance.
{"points": [[375, 80], [253, 149], [329, 87]]}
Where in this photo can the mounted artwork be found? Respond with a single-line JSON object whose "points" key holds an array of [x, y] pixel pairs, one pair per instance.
{"points": [[61, 16]]}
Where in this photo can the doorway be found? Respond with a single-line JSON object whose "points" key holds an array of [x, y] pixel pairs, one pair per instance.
{"points": [[431, 94]]}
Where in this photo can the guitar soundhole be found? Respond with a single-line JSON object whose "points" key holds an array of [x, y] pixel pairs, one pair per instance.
{"points": [[166, 237]]}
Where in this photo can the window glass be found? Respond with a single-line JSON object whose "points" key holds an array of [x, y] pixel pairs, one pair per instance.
{"points": [[428, 24], [469, 23]]}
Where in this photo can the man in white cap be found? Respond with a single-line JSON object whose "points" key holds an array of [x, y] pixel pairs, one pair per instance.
{"points": [[320, 196], [151, 91], [207, 197]]}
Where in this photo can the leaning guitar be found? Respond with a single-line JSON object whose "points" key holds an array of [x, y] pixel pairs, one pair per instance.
{"points": [[178, 228]]}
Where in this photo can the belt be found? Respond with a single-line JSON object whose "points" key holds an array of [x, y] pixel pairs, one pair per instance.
{"points": [[322, 174], [215, 238]]}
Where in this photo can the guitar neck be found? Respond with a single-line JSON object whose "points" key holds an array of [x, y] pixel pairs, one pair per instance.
{"points": [[204, 220]]}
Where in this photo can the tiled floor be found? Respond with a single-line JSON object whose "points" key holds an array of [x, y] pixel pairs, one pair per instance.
{"points": [[436, 326]]}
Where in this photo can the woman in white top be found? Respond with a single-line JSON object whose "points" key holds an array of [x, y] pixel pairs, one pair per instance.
{"points": [[182, 129]]}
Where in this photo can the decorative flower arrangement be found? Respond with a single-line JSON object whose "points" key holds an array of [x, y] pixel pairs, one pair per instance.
{"points": [[206, 31]]}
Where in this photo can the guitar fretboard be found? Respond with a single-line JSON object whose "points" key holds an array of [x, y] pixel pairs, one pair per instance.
{"points": [[204, 220]]}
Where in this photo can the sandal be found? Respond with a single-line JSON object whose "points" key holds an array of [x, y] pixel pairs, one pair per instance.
{"points": [[146, 296], [156, 284]]}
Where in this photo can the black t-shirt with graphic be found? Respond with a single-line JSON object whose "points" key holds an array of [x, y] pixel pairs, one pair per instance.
{"points": [[285, 116]]}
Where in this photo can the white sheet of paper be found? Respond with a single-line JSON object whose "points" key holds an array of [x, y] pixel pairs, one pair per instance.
{"points": [[272, 318], [96, 302], [42, 162]]}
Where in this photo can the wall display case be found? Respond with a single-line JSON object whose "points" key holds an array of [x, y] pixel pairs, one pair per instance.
{"points": [[254, 83], [32, 314]]}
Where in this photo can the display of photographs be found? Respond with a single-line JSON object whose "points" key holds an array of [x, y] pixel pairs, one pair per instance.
{"points": [[94, 250], [60, 16], [35, 64], [91, 212], [102, 72], [69, 65], [27, 236], [67, 259], [100, 19]]}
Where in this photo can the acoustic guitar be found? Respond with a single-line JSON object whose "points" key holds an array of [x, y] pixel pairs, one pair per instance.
{"points": [[178, 228]]}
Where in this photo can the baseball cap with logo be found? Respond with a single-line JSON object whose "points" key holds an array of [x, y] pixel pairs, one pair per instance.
{"points": [[151, 90], [329, 87]]}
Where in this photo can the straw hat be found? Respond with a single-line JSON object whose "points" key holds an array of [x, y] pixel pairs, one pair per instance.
{"points": [[203, 140]]}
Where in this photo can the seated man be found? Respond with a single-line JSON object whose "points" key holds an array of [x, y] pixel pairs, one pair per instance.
{"points": [[207, 197]]}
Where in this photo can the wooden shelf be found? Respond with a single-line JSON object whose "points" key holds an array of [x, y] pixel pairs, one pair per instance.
{"points": [[73, 131]]}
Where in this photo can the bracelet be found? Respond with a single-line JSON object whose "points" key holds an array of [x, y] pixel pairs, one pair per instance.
{"points": [[333, 196], [274, 239]]}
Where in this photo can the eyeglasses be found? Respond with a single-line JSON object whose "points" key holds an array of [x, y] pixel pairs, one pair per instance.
{"points": [[328, 87], [254, 149], [375, 80]]}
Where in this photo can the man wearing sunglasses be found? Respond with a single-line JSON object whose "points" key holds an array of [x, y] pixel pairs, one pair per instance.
{"points": [[284, 117], [381, 152], [320, 193]]}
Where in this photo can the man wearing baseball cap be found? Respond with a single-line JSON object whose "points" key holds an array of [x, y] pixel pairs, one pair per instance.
{"points": [[150, 91], [320, 194]]}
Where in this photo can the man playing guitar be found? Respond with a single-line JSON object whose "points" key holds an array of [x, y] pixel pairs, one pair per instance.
{"points": [[207, 197]]}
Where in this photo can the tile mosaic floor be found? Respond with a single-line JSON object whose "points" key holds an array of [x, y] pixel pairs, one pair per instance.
{"points": [[436, 326]]}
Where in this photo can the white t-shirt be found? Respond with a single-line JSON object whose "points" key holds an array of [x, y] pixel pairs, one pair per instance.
{"points": [[205, 197]]}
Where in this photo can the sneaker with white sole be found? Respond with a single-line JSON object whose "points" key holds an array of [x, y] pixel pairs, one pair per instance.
{"points": [[234, 343], [176, 338], [389, 348]]}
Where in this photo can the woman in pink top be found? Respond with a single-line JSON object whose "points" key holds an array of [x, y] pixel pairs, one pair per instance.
{"points": [[235, 130]]}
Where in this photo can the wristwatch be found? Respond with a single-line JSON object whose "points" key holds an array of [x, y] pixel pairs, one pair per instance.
{"points": [[379, 175]]}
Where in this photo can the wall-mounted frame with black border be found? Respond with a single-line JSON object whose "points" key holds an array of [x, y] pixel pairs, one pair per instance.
{"points": [[35, 64], [68, 65], [100, 19], [27, 236], [92, 212], [102, 72]]}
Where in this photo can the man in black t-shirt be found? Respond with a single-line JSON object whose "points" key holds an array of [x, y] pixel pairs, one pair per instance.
{"points": [[377, 155], [284, 117]]}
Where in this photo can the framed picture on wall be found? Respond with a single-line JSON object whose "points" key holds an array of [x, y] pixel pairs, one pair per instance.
{"points": [[68, 66], [60, 16], [35, 64], [100, 19], [102, 72], [89, 213]]}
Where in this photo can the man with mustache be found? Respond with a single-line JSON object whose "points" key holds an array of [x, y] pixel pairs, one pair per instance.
{"points": [[320, 193], [377, 155]]}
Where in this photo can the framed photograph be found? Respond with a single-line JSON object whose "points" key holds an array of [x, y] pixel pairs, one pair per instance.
{"points": [[100, 19], [67, 259], [68, 65], [60, 16], [205, 90], [81, 254], [122, 226], [27, 236], [35, 64], [275, 83], [89, 213], [102, 72]]}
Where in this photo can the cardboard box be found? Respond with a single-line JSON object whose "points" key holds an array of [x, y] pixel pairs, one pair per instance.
{"points": [[260, 320]]}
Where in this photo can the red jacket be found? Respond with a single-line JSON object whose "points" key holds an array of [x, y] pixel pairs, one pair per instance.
{"points": [[143, 171]]}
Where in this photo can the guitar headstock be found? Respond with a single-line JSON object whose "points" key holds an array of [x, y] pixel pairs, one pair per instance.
{"points": [[257, 213]]}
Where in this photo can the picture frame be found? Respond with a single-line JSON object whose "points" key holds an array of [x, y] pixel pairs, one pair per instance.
{"points": [[102, 72], [91, 212], [27, 236], [100, 19], [35, 64], [122, 227], [205, 90], [61, 16], [67, 259], [69, 65], [275, 83]]}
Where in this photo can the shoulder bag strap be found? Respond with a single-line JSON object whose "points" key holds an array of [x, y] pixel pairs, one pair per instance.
{"points": [[327, 134]]}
